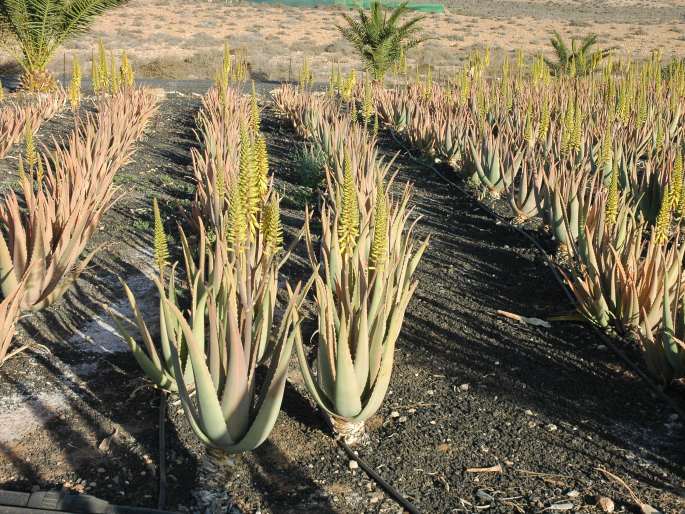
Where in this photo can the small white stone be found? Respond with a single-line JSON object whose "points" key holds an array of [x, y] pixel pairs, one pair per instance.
{"points": [[464, 387], [394, 414], [354, 464], [552, 427]]}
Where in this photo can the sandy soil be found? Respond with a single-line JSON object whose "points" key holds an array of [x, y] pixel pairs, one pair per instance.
{"points": [[183, 39]]}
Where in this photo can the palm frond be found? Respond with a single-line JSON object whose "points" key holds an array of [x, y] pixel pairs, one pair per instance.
{"points": [[40, 27], [580, 58], [379, 38]]}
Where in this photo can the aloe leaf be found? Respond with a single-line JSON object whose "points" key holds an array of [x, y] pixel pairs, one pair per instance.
{"points": [[347, 398], [210, 418]]}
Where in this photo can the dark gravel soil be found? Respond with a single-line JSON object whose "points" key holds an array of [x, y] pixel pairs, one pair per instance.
{"points": [[470, 389]]}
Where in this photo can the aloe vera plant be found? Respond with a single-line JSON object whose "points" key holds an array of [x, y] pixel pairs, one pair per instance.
{"points": [[368, 267], [525, 197], [664, 344], [496, 163], [211, 346], [18, 119], [216, 344], [156, 360]]}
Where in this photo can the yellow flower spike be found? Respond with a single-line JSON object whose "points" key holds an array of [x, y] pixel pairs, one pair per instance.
{"points": [[567, 132], [606, 150], [161, 245], [94, 75], [102, 70], [677, 183], [262, 163], [236, 226], [530, 132], [247, 180], [367, 103], [544, 120], [348, 226], [306, 77], [271, 228], [660, 137], [577, 132], [379, 243], [75, 84], [114, 76], [30, 151], [348, 85], [611, 209], [126, 71], [2, 92], [662, 226], [223, 75]]}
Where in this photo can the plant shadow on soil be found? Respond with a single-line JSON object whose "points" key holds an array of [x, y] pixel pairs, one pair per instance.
{"points": [[109, 401], [473, 267], [559, 371]]}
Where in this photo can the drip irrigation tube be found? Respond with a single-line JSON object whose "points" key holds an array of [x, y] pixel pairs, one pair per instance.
{"points": [[605, 339], [386, 486], [161, 497]]}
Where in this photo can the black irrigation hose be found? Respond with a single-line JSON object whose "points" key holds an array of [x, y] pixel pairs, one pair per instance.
{"points": [[492, 213], [161, 499], [386, 486]]}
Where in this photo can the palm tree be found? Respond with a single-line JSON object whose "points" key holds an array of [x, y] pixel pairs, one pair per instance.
{"points": [[379, 38], [580, 59], [37, 28]]}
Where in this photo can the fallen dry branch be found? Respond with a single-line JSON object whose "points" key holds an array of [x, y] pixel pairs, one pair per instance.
{"points": [[644, 507], [497, 468]]}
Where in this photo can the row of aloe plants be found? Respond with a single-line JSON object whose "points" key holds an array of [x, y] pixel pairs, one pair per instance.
{"points": [[368, 254], [62, 196], [598, 158], [218, 316]]}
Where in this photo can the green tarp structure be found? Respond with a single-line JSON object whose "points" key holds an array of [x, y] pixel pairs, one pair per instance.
{"points": [[363, 4]]}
